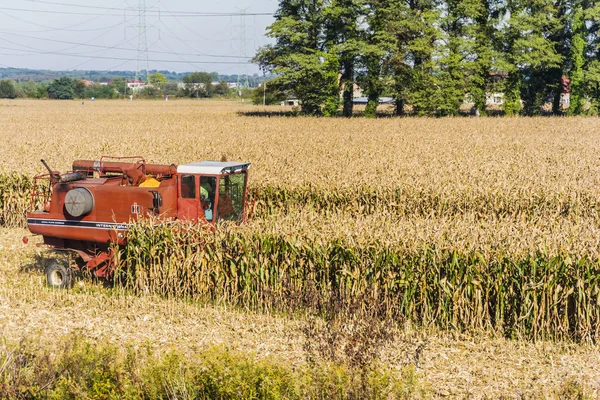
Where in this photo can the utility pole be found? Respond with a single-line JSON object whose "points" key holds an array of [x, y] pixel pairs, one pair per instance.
{"points": [[242, 83], [142, 50]]}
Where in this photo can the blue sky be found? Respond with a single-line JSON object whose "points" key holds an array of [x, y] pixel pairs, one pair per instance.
{"points": [[180, 35]]}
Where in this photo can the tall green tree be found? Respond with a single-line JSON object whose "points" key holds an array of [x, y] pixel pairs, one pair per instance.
{"points": [[455, 23], [61, 89], [592, 68], [198, 84], [78, 88], [343, 37], [413, 24], [119, 85], [374, 59], [29, 88], [299, 55], [509, 63], [157, 79], [532, 57], [577, 59], [8, 89], [483, 55]]}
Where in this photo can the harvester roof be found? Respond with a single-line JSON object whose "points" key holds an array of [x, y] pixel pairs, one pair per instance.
{"points": [[213, 167]]}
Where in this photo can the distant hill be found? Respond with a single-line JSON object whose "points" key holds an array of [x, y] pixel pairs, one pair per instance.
{"points": [[41, 75]]}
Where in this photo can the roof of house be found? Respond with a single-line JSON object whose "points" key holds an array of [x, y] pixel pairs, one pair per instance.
{"points": [[213, 167]]}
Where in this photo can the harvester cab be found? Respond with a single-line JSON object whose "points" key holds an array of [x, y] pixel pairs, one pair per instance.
{"points": [[90, 207], [212, 190]]}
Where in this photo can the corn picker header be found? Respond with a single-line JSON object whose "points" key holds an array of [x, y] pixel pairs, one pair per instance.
{"points": [[90, 207]]}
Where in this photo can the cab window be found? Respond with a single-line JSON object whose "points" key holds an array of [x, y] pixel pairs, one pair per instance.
{"points": [[188, 186], [207, 196], [231, 197]]}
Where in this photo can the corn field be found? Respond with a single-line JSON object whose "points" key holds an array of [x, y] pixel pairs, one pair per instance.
{"points": [[466, 224], [534, 295]]}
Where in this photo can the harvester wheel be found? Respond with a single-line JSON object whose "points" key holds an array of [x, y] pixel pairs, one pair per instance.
{"points": [[58, 274]]}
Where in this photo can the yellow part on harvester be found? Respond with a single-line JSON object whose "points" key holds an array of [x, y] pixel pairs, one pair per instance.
{"points": [[150, 182]]}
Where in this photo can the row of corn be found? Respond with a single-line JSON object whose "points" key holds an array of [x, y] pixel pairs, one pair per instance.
{"points": [[15, 190], [534, 295], [15, 198], [412, 201]]}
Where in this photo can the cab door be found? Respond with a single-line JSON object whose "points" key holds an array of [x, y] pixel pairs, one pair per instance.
{"points": [[188, 201], [208, 197]]}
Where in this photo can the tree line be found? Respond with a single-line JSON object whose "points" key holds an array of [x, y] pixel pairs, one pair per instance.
{"points": [[194, 85], [432, 56], [41, 75]]}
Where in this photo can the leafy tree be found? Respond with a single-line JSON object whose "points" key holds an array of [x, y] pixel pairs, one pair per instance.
{"points": [[8, 89], [331, 90], [343, 37], [99, 91], [374, 59], [221, 89], [430, 54], [42, 91], [29, 88], [157, 79], [79, 88], [171, 89], [592, 83], [150, 91], [270, 93], [592, 67], [577, 57], [61, 89], [198, 84], [299, 55], [532, 57], [455, 21], [413, 24], [485, 15], [119, 84]]}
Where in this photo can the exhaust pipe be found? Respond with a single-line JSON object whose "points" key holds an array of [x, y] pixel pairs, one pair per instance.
{"points": [[63, 178], [53, 174]]}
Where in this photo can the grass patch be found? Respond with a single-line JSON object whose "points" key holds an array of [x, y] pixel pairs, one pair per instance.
{"points": [[79, 368]]}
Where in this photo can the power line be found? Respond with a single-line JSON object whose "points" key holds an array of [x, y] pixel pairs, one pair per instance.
{"points": [[75, 44], [75, 5], [38, 52], [155, 14], [126, 9], [191, 30], [178, 56], [142, 50], [95, 58], [68, 28], [242, 84], [120, 48]]}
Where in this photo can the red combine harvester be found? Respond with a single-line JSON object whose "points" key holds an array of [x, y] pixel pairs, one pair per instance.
{"points": [[89, 208]]}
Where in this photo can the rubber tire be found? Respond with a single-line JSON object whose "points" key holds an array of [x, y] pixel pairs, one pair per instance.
{"points": [[58, 275]]}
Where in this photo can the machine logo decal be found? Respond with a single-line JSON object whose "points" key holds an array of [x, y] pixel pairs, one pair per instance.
{"points": [[77, 224], [136, 209]]}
